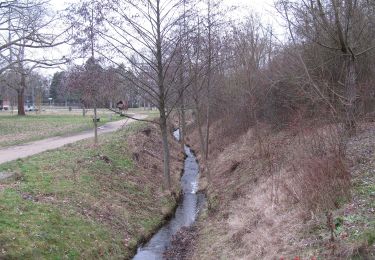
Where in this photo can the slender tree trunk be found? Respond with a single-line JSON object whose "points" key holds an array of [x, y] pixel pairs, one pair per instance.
{"points": [[207, 125], [198, 117], [92, 56], [183, 122], [179, 124], [182, 109], [201, 140], [351, 93], [209, 72], [200, 132], [182, 69], [21, 102], [196, 99], [162, 98], [21, 96], [95, 124], [208, 173], [166, 155]]}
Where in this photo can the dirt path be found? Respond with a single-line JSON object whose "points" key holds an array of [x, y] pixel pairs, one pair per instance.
{"points": [[21, 151]]}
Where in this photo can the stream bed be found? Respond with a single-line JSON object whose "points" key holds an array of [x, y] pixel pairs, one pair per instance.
{"points": [[186, 212]]}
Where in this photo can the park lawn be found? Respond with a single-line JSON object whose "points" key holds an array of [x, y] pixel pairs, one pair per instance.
{"points": [[81, 201], [17, 130]]}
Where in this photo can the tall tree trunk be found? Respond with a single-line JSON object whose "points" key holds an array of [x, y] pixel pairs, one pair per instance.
{"points": [[351, 93], [179, 124], [95, 124], [200, 132], [207, 124], [183, 121], [207, 140], [83, 110], [182, 69], [166, 155], [21, 101], [162, 98], [21, 96], [182, 109], [209, 74]]}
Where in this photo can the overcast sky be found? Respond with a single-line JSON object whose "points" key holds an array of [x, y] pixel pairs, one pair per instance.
{"points": [[264, 8]]}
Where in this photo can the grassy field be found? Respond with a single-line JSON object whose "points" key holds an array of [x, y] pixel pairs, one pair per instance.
{"points": [[53, 122], [81, 201], [78, 112], [16, 130]]}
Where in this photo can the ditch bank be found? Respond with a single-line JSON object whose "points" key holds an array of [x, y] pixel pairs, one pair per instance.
{"points": [[85, 201], [159, 246], [259, 201]]}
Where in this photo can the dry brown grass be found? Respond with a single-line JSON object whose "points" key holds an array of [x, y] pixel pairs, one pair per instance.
{"points": [[319, 174], [266, 185], [146, 147]]}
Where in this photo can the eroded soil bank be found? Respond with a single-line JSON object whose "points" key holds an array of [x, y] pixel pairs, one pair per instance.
{"points": [[268, 190]]}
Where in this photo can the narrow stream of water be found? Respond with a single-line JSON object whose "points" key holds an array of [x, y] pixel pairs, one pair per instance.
{"points": [[186, 212]]}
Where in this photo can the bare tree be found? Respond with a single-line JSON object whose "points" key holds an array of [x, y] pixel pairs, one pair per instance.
{"points": [[204, 64], [195, 66], [143, 34], [93, 84], [343, 29], [86, 18], [24, 31]]}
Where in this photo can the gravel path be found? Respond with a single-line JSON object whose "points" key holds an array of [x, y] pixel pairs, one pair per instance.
{"points": [[21, 151]]}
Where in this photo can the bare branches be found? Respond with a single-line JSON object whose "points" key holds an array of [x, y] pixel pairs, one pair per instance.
{"points": [[25, 31]]}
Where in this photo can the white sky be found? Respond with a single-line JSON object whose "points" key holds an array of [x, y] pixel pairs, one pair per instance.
{"points": [[257, 4], [264, 8]]}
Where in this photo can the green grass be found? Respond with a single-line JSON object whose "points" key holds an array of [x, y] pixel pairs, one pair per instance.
{"points": [[39, 231], [79, 202], [361, 226], [354, 221], [144, 111], [16, 130]]}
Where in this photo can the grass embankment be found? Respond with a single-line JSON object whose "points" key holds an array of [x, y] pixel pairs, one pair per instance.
{"points": [[86, 202], [354, 220], [270, 194], [20, 129]]}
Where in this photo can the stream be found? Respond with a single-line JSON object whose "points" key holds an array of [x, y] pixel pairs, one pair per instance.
{"points": [[186, 212]]}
